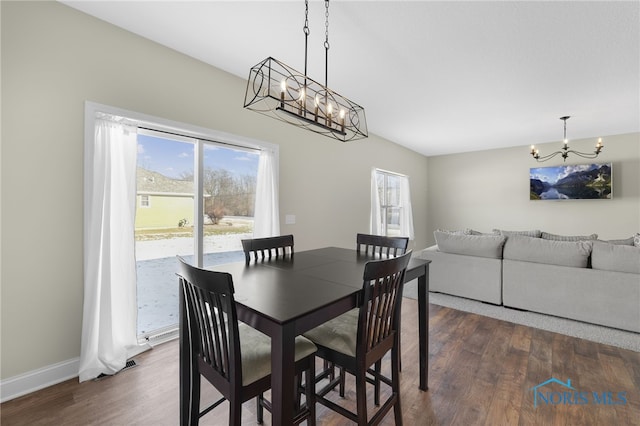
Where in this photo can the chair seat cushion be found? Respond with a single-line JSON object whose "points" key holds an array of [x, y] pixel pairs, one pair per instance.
{"points": [[255, 349], [339, 334]]}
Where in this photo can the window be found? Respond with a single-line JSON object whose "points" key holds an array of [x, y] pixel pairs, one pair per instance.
{"points": [[391, 213], [145, 201]]}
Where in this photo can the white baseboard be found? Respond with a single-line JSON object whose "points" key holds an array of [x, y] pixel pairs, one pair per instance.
{"points": [[41, 378]]}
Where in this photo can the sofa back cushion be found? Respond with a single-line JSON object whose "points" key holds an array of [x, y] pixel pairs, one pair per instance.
{"points": [[615, 257], [561, 253], [471, 245], [555, 237]]}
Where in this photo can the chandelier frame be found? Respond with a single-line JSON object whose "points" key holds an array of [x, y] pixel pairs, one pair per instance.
{"points": [[565, 151], [281, 92]]}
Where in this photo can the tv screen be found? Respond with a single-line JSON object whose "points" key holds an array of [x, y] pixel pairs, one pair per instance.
{"points": [[581, 181]]}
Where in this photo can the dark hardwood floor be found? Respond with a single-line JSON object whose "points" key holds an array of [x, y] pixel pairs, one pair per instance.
{"points": [[481, 372]]}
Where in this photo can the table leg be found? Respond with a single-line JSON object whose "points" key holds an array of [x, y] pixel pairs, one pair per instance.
{"points": [[282, 375], [423, 326]]}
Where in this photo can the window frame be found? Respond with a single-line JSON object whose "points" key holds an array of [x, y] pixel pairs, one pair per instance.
{"points": [[384, 203], [145, 201]]}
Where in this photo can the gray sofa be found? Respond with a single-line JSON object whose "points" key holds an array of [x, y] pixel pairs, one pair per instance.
{"points": [[579, 277]]}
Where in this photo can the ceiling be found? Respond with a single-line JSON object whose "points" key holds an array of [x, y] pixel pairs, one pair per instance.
{"points": [[437, 77]]}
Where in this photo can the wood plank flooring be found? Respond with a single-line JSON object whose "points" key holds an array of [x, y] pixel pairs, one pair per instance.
{"points": [[481, 371]]}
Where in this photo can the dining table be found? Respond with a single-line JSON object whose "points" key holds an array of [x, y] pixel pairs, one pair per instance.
{"points": [[286, 296]]}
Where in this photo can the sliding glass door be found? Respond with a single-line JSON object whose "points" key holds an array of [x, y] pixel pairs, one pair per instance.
{"points": [[178, 176]]}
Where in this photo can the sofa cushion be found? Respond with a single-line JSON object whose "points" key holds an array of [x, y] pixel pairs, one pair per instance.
{"points": [[615, 257], [471, 245], [533, 233], [547, 236], [561, 253], [636, 240]]}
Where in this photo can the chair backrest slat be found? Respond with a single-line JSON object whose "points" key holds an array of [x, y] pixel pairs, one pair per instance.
{"points": [[212, 320], [379, 315], [267, 248], [378, 245]]}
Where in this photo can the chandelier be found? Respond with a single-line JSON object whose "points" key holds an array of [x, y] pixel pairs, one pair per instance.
{"points": [[565, 149], [279, 91]]}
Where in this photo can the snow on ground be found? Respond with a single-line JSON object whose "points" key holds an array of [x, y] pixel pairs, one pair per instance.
{"points": [[156, 269], [155, 249]]}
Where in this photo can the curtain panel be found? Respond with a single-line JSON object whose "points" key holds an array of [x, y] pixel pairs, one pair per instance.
{"points": [[266, 217], [110, 304]]}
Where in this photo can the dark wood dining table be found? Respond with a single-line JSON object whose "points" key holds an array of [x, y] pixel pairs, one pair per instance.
{"points": [[285, 297]]}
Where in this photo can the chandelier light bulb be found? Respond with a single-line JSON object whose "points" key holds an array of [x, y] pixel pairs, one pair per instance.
{"points": [[283, 88], [315, 110]]}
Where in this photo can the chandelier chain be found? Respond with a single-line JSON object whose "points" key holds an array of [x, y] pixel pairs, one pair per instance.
{"points": [[305, 29], [326, 43], [326, 25]]}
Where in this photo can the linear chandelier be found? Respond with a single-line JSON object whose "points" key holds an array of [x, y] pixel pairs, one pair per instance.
{"points": [[279, 91], [564, 152]]}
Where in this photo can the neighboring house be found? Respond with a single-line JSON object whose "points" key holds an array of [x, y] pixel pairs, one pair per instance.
{"points": [[162, 202]]}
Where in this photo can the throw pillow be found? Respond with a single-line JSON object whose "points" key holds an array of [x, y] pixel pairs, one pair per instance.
{"points": [[547, 236], [455, 231], [612, 257], [562, 253], [533, 233], [474, 232], [636, 240], [471, 245], [622, 242]]}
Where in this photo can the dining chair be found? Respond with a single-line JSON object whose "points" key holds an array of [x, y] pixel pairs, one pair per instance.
{"points": [[234, 357], [267, 248], [360, 338], [371, 245], [381, 245]]}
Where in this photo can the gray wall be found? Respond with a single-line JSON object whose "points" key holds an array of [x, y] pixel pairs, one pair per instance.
{"points": [[55, 58], [490, 189]]}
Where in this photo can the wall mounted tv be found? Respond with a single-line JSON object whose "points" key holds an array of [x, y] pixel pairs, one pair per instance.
{"points": [[580, 181]]}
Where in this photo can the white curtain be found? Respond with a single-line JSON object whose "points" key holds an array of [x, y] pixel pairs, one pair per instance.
{"points": [[375, 225], [266, 214], [110, 305], [406, 213]]}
